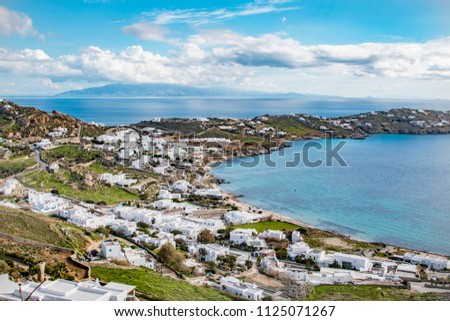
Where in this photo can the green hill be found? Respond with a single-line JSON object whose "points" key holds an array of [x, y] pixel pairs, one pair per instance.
{"points": [[153, 286]]}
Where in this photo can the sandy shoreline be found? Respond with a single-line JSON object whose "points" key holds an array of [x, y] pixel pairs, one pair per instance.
{"points": [[233, 200]]}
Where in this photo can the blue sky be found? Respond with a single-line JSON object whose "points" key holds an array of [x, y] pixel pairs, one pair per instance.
{"points": [[362, 48]]}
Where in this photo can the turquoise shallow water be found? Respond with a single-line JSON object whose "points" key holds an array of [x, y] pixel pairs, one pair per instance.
{"points": [[396, 189]]}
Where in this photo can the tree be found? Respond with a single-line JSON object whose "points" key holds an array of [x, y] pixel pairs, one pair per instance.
{"points": [[60, 271], [249, 264], [143, 225], [282, 254], [335, 265], [170, 257], [4, 267], [206, 237]]}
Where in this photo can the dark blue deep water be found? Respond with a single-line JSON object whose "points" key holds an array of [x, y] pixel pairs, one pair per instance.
{"points": [[118, 111]]}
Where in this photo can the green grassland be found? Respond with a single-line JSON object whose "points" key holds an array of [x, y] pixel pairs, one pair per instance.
{"points": [[99, 168], [369, 293], [156, 287], [41, 228], [68, 185], [70, 153], [271, 225], [290, 125], [227, 135], [15, 166]]}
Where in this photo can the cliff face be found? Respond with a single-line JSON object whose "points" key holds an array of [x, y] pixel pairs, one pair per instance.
{"points": [[21, 122]]}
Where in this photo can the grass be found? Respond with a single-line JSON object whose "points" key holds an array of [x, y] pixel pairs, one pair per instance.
{"points": [[369, 293], [156, 287], [98, 168], [18, 165], [272, 225], [232, 136], [41, 228], [290, 125], [69, 186], [70, 152]]}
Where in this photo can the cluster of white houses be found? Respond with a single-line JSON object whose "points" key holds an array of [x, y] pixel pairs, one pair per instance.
{"points": [[169, 227]]}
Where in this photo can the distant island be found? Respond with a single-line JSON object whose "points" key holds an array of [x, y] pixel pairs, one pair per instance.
{"points": [[171, 90]]}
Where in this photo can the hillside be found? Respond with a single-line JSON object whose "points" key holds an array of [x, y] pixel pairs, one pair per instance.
{"points": [[40, 228], [152, 286], [29, 122]]}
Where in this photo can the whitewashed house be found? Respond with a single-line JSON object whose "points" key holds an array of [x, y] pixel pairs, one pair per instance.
{"points": [[240, 235], [212, 251], [297, 249], [45, 203], [213, 193], [63, 290], [296, 237], [242, 289], [112, 250], [120, 179], [241, 217], [317, 278], [138, 258], [431, 261], [181, 186], [9, 186], [273, 234]]}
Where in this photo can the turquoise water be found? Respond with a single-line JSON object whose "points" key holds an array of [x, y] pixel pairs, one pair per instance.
{"points": [[396, 189], [115, 111]]}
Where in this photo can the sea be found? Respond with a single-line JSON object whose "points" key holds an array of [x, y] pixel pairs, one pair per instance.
{"points": [[121, 111], [391, 188]]}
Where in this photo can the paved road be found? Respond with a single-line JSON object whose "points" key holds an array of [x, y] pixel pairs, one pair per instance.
{"points": [[420, 287], [38, 158]]}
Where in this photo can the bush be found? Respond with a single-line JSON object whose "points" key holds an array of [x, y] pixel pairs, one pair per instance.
{"points": [[206, 237]]}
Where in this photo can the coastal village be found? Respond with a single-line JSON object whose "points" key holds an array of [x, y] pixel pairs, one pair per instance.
{"points": [[142, 199]]}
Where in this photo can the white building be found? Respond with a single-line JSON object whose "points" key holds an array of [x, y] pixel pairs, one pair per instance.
{"points": [[431, 261], [256, 242], [9, 186], [213, 193], [54, 167], [63, 290], [241, 217], [273, 234], [240, 235], [125, 227], [45, 203], [43, 144], [112, 250], [297, 249], [180, 186], [212, 251], [242, 289], [296, 237], [120, 179], [317, 278], [138, 258]]}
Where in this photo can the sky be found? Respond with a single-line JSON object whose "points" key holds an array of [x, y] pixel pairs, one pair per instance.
{"points": [[365, 48]]}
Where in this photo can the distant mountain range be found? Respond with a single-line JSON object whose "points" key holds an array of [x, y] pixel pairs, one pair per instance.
{"points": [[168, 90]]}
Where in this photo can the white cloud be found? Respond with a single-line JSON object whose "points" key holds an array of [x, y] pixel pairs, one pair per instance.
{"points": [[33, 63], [146, 31], [226, 58], [12, 22], [406, 60], [205, 16]]}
